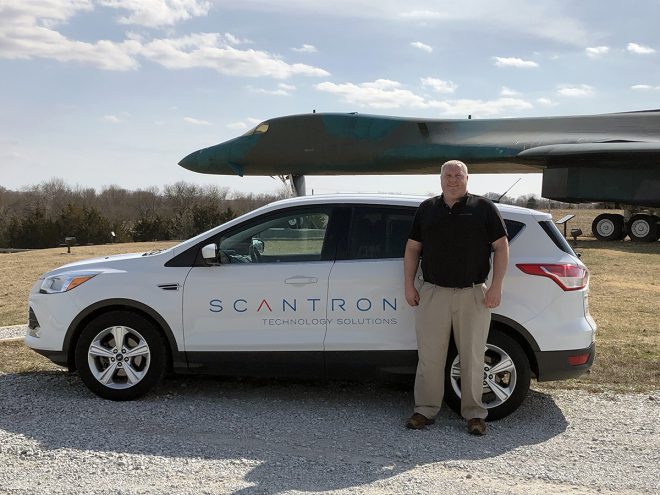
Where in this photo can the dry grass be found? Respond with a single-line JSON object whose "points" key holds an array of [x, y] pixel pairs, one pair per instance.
{"points": [[582, 220], [19, 271], [624, 300], [16, 357]]}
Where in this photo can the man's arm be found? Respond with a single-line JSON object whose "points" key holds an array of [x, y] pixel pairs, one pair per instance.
{"points": [[410, 264], [500, 263]]}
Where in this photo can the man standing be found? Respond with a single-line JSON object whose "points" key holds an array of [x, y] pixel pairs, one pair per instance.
{"points": [[454, 233]]}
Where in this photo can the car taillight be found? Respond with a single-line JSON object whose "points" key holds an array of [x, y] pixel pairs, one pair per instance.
{"points": [[566, 276]]}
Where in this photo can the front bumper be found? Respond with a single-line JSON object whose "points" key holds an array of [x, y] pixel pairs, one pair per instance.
{"points": [[556, 365]]}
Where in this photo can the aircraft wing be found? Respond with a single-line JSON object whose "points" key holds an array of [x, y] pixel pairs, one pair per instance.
{"points": [[626, 148]]}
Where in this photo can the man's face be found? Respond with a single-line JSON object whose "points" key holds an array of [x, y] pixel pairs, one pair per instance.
{"points": [[454, 182]]}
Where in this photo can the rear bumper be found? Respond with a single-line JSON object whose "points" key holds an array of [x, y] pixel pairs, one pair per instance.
{"points": [[556, 365]]}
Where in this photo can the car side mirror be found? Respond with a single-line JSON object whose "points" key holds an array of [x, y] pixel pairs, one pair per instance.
{"points": [[210, 254]]}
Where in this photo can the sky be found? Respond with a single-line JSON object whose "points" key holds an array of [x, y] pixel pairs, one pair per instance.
{"points": [[116, 92]]}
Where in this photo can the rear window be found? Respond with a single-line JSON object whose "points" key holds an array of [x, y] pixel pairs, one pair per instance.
{"points": [[379, 232], [513, 228], [555, 235]]}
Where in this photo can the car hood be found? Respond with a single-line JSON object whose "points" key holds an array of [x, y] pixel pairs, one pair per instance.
{"points": [[106, 262]]}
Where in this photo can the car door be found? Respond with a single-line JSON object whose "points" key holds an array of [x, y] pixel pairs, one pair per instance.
{"points": [[367, 310], [268, 292]]}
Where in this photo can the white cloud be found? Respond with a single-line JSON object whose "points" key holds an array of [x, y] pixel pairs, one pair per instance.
{"points": [[538, 20], [113, 119], [381, 93], [26, 31], [439, 86], [639, 49], [597, 51], [643, 87], [575, 91], [514, 62], [422, 46], [231, 39], [244, 125], [190, 120], [384, 93], [282, 90], [209, 50], [480, 108], [508, 92], [156, 13], [306, 49], [424, 15], [546, 102]]}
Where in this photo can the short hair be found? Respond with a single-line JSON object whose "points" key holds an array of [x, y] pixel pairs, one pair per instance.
{"points": [[454, 163]]}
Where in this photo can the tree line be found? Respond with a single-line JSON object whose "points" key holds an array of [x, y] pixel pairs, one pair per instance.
{"points": [[42, 216]]}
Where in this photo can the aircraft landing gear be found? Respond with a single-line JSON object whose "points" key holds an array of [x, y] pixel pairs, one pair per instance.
{"points": [[643, 228], [608, 227], [295, 183]]}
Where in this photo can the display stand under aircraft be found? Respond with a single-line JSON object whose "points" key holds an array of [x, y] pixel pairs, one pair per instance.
{"points": [[610, 158]]}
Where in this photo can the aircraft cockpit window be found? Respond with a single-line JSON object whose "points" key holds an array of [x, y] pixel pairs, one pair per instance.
{"points": [[260, 129]]}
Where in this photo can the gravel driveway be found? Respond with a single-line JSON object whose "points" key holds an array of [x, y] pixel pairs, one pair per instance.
{"points": [[205, 435]]}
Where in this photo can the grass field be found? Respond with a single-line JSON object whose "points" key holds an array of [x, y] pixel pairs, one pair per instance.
{"points": [[624, 300]]}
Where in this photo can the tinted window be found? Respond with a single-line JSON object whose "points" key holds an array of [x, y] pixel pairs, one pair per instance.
{"points": [[379, 232], [557, 238], [513, 228], [293, 236]]}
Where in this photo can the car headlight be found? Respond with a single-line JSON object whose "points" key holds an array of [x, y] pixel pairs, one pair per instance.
{"points": [[63, 282]]}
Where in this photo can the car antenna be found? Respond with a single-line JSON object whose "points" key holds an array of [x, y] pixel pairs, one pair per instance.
{"points": [[504, 194]]}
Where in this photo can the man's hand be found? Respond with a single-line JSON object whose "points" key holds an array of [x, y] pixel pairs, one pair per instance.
{"points": [[493, 297], [410, 264], [500, 262], [412, 296]]}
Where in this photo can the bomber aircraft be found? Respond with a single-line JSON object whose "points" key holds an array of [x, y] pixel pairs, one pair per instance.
{"points": [[611, 158]]}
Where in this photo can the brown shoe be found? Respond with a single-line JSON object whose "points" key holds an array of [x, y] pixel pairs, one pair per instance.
{"points": [[476, 426], [418, 421]]}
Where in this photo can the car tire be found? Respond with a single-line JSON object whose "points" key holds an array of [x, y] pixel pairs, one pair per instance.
{"points": [[123, 372], [608, 227], [503, 353], [643, 228]]}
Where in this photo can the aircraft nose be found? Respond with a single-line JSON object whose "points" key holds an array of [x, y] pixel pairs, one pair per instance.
{"points": [[208, 160], [214, 160], [192, 162]]}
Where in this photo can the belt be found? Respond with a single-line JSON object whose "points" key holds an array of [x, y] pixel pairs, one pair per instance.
{"points": [[457, 286]]}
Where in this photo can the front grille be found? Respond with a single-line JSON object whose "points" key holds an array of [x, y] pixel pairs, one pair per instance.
{"points": [[32, 319]]}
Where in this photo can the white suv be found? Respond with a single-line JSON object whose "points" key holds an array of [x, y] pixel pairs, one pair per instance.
{"points": [[311, 286]]}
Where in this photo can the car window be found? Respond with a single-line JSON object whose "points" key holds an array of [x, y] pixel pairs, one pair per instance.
{"points": [[291, 236], [513, 228], [379, 232], [556, 236]]}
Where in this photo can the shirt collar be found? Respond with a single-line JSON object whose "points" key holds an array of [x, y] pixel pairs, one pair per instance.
{"points": [[461, 201]]}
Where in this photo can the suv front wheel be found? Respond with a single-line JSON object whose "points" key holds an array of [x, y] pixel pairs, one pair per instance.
{"points": [[506, 377], [120, 355]]}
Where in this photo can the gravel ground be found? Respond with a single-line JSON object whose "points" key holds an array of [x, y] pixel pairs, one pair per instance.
{"points": [[197, 435], [13, 332]]}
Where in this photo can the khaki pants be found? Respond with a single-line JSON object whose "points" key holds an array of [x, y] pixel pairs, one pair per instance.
{"points": [[440, 309]]}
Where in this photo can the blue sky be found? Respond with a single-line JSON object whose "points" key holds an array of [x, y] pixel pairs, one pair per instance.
{"points": [[101, 92]]}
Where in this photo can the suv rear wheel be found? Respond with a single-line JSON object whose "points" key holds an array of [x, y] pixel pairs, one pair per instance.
{"points": [[120, 355], [506, 377]]}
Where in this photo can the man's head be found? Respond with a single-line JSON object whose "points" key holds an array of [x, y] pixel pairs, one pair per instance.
{"points": [[453, 179]]}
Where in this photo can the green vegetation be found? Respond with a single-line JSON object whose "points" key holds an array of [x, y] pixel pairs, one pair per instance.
{"points": [[42, 216]]}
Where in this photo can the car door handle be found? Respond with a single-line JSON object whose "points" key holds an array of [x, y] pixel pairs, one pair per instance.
{"points": [[301, 280]]}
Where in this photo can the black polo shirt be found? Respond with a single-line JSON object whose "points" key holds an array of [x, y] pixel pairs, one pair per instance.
{"points": [[456, 242]]}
